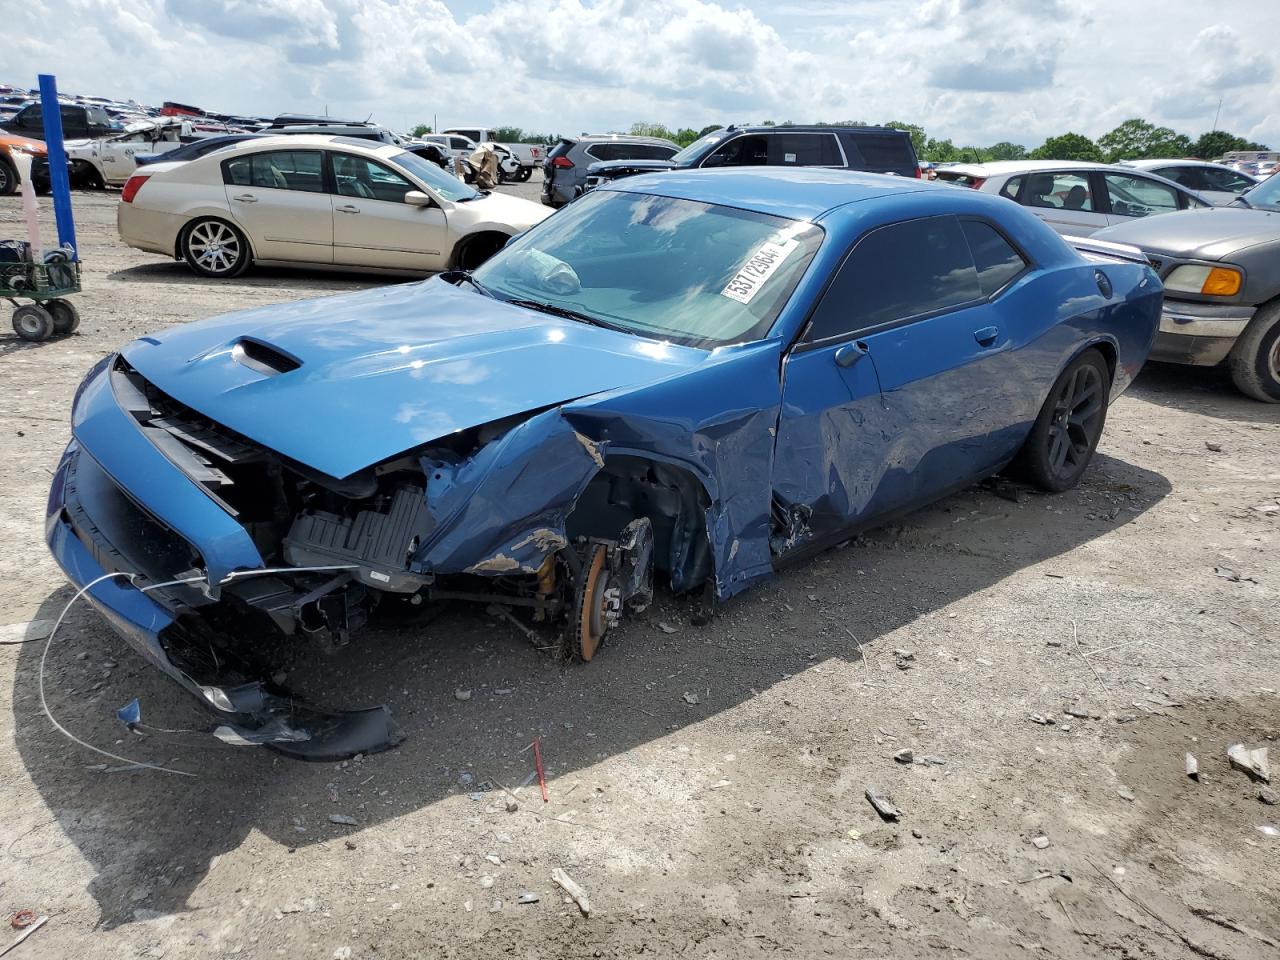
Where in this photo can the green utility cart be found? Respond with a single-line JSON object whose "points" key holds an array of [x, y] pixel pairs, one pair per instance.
{"points": [[47, 285]]}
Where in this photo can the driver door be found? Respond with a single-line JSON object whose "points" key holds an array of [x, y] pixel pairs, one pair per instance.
{"points": [[373, 226], [891, 397]]}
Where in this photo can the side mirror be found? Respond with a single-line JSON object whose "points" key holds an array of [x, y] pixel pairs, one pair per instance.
{"points": [[418, 198], [850, 354]]}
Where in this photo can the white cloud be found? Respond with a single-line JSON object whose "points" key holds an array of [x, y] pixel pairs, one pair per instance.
{"points": [[976, 71]]}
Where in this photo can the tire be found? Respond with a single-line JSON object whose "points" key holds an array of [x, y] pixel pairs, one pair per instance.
{"points": [[525, 174], [1068, 427], [8, 179], [1255, 359], [214, 248], [66, 318], [475, 250], [85, 176], [33, 323]]}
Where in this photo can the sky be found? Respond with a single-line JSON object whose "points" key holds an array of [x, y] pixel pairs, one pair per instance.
{"points": [[974, 71]]}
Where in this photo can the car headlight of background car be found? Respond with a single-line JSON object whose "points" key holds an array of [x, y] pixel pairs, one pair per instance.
{"points": [[1210, 281]]}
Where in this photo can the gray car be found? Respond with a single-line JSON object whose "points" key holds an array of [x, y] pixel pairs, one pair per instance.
{"points": [[564, 172], [1221, 274]]}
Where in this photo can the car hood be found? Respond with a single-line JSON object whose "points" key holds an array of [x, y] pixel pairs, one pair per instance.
{"points": [[607, 168], [1212, 234], [499, 209], [383, 371]]}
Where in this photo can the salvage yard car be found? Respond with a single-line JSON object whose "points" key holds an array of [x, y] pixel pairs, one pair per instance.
{"points": [[316, 200], [1075, 197], [869, 149], [693, 376], [1221, 270], [110, 161]]}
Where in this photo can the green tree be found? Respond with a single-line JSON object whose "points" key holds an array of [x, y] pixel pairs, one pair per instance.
{"points": [[421, 130], [918, 139], [939, 151], [1214, 144], [685, 136], [651, 130], [1068, 146], [711, 128], [1004, 150], [509, 135], [1136, 139]]}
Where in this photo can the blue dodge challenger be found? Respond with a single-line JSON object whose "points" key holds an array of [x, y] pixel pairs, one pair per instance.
{"points": [[691, 376]]}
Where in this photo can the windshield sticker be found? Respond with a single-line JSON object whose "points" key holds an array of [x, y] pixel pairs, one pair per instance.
{"points": [[760, 266]]}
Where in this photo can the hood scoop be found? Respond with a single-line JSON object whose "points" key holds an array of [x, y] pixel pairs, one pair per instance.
{"points": [[263, 358]]}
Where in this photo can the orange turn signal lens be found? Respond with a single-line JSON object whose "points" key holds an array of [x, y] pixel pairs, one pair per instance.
{"points": [[1221, 283]]}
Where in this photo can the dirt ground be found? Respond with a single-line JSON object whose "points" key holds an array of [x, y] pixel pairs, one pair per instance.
{"points": [[706, 784]]}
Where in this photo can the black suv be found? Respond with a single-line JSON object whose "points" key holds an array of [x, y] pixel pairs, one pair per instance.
{"points": [[870, 149], [78, 122]]}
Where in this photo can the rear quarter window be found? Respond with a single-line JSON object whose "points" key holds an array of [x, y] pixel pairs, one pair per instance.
{"points": [[994, 257], [880, 152]]}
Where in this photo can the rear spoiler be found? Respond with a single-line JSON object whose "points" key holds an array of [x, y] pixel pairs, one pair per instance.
{"points": [[1103, 251]]}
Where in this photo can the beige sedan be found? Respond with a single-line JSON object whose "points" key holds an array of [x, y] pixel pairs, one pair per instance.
{"points": [[319, 201]]}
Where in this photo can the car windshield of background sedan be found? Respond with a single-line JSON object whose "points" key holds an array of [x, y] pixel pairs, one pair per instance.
{"points": [[697, 148], [439, 180], [1265, 195], [697, 273]]}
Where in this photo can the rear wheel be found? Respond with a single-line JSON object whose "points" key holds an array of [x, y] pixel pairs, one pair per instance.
{"points": [[1255, 359], [214, 248], [1069, 426], [525, 174], [8, 179], [33, 323], [66, 318]]}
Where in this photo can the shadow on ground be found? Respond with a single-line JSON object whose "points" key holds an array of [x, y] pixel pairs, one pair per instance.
{"points": [[150, 837], [177, 272], [1207, 391]]}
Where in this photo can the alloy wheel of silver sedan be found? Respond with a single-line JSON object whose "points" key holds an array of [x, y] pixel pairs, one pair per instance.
{"points": [[214, 248]]}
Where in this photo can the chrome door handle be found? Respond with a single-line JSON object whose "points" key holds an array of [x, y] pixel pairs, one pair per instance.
{"points": [[246, 198], [986, 336], [347, 208]]}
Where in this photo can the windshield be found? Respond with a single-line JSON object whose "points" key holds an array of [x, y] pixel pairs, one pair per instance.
{"points": [[1266, 194], [692, 272], [693, 151], [439, 180]]}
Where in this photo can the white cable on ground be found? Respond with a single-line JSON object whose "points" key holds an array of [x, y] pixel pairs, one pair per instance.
{"points": [[44, 703]]}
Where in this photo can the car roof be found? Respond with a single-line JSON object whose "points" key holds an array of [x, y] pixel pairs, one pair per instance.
{"points": [[807, 128], [619, 138], [297, 140], [1149, 164], [803, 193]]}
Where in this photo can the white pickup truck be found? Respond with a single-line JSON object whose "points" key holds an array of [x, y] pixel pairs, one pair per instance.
{"points": [[108, 161], [528, 155]]}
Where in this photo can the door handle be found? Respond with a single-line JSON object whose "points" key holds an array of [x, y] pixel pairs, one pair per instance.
{"points": [[986, 336], [246, 198], [850, 353], [347, 208]]}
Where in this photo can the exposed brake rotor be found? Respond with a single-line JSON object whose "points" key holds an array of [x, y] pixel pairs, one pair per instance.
{"points": [[597, 606]]}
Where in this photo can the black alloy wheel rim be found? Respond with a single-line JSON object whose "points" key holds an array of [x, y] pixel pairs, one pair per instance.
{"points": [[1076, 422]]}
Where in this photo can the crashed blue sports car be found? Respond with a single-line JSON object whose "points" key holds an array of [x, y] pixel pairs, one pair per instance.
{"points": [[690, 377]]}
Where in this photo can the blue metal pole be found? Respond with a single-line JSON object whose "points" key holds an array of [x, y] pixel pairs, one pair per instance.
{"points": [[58, 177]]}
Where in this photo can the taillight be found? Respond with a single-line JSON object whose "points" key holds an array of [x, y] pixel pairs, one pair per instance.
{"points": [[915, 172], [132, 186], [977, 182], [564, 163]]}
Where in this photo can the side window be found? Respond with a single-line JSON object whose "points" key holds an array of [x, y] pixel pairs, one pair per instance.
{"points": [[277, 169], [805, 150], [994, 257], [1193, 178], [1063, 191], [897, 272], [604, 151], [750, 151], [1138, 196], [648, 151], [362, 177], [1011, 188], [1227, 181], [457, 143]]}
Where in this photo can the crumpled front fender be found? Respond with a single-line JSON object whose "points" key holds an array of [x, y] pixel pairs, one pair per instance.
{"points": [[504, 509]]}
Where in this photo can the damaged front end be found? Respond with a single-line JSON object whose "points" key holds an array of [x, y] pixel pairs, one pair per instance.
{"points": [[268, 552]]}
